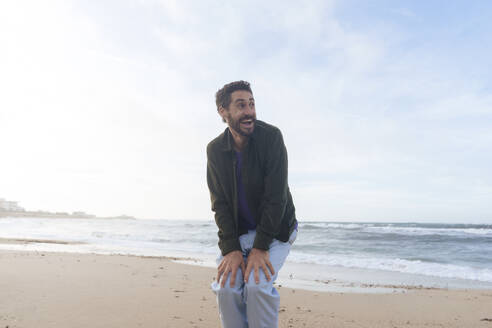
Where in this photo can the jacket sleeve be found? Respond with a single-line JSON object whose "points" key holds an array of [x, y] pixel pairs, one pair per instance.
{"points": [[275, 192], [228, 237]]}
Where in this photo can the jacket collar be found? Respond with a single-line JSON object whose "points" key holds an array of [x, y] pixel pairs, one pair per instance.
{"points": [[228, 142]]}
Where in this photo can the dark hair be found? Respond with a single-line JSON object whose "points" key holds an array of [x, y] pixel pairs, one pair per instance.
{"points": [[223, 96]]}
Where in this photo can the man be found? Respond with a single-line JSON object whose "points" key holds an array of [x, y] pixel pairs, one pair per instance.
{"points": [[247, 179]]}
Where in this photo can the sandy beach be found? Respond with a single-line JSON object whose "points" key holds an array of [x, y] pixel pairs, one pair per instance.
{"points": [[40, 289]]}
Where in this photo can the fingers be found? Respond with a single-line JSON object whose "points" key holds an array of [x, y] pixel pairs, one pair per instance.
{"points": [[220, 270], [230, 264], [270, 266], [248, 271], [243, 267], [233, 277], [257, 275], [224, 276], [267, 272], [266, 266], [256, 261]]}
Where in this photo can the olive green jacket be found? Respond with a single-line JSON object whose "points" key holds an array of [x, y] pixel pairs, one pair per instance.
{"points": [[264, 174]]}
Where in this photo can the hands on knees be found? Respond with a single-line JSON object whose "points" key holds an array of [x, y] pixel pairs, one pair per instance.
{"points": [[229, 265], [257, 259]]}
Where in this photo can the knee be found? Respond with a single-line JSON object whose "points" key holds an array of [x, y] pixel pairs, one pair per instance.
{"points": [[252, 289], [263, 283], [227, 290], [228, 295]]}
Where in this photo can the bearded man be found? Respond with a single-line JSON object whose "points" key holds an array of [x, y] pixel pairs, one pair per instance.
{"points": [[254, 211]]}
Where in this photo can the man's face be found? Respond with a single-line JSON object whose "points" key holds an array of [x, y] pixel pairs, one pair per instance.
{"points": [[241, 115]]}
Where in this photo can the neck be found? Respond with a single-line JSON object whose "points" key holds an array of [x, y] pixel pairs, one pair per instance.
{"points": [[240, 141]]}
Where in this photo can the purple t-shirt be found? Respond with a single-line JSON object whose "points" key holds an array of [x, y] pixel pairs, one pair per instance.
{"points": [[246, 219]]}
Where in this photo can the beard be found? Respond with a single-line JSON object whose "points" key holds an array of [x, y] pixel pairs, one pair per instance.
{"points": [[235, 125]]}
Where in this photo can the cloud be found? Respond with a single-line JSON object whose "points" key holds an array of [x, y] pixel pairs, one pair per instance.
{"points": [[405, 12], [111, 113]]}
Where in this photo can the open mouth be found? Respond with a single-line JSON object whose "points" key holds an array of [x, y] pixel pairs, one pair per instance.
{"points": [[247, 123]]}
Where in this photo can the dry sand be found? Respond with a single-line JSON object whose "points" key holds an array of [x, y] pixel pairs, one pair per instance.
{"points": [[55, 290]]}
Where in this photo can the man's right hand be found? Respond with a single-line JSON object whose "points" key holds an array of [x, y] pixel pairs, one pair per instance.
{"points": [[230, 263]]}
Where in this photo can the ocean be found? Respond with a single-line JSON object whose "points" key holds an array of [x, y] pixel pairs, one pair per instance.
{"points": [[326, 255]]}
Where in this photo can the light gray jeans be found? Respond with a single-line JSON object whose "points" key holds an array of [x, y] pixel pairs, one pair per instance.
{"points": [[251, 305]]}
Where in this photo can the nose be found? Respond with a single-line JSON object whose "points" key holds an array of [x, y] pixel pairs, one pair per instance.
{"points": [[250, 110]]}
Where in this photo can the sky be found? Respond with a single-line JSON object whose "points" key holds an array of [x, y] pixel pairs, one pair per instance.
{"points": [[385, 106]]}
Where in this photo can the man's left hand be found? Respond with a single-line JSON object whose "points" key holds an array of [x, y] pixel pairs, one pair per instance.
{"points": [[257, 259]]}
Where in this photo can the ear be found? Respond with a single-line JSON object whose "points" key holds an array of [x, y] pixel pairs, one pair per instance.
{"points": [[223, 113]]}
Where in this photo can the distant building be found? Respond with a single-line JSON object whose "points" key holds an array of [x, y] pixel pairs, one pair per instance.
{"points": [[81, 214], [10, 206]]}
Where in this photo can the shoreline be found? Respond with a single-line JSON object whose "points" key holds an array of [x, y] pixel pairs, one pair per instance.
{"points": [[431, 256], [24, 241], [44, 289], [309, 277], [195, 243], [49, 215]]}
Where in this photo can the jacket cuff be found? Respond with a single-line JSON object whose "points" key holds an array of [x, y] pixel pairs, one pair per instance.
{"points": [[262, 241], [227, 246]]}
